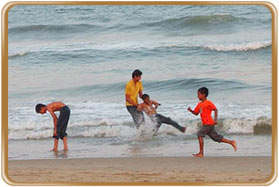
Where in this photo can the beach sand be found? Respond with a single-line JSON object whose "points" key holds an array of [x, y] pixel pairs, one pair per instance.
{"points": [[162, 170]]}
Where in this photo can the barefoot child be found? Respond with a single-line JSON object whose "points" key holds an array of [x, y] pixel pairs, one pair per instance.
{"points": [[148, 107], [205, 107], [60, 124]]}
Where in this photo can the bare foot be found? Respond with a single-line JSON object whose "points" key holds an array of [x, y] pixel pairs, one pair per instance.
{"points": [[234, 145], [198, 155]]}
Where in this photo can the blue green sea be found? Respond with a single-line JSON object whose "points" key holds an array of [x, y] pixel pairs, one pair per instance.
{"points": [[84, 55]]}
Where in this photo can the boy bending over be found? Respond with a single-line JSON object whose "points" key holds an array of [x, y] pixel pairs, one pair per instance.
{"points": [[60, 124]]}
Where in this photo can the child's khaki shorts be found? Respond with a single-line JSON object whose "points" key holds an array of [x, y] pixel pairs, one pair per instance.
{"points": [[211, 132]]}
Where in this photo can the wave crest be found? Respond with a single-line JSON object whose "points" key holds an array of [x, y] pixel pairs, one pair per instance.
{"points": [[127, 130], [51, 28], [193, 21], [73, 48], [239, 47], [17, 54]]}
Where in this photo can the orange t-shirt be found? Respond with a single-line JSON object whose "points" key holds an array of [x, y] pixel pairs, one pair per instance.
{"points": [[205, 108]]}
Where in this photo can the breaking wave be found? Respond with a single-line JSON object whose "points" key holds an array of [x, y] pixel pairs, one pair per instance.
{"points": [[127, 130]]}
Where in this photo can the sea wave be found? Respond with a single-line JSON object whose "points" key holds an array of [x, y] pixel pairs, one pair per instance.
{"points": [[111, 119], [252, 46], [17, 54], [173, 23], [169, 86], [69, 28], [193, 21], [189, 84], [261, 125], [141, 46]]}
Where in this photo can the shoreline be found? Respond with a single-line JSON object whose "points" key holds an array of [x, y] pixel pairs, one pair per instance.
{"points": [[153, 170]]}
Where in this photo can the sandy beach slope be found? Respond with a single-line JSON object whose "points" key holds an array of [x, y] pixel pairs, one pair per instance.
{"points": [[144, 170]]}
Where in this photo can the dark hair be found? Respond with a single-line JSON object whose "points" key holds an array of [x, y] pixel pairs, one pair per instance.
{"points": [[204, 91], [136, 73], [38, 107], [144, 96]]}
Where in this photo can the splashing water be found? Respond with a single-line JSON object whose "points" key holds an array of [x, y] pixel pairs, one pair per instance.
{"points": [[147, 130]]}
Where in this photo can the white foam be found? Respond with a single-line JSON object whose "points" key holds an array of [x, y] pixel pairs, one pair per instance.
{"points": [[147, 130], [20, 49], [239, 47], [18, 53], [99, 119]]}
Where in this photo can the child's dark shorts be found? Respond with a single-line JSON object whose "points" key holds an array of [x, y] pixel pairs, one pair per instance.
{"points": [[211, 132], [62, 122]]}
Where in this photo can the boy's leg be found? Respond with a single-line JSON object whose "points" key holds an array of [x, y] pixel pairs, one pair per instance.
{"points": [[202, 132], [137, 116], [63, 123], [55, 147], [219, 138], [163, 119], [155, 120], [64, 138], [65, 143], [200, 154], [231, 142]]}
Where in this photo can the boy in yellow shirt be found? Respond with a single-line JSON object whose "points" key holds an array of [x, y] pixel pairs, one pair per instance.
{"points": [[134, 89]]}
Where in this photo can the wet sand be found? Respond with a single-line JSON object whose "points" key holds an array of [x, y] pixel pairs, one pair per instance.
{"points": [[142, 170]]}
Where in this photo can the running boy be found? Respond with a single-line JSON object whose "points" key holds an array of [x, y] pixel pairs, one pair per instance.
{"points": [[60, 124], [205, 107], [149, 107]]}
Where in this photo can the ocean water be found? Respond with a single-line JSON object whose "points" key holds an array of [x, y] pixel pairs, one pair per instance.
{"points": [[84, 56]]}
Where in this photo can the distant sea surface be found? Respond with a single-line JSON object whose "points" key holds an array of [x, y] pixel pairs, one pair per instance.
{"points": [[84, 56]]}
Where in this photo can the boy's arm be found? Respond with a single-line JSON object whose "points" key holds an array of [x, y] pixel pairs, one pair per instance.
{"points": [[215, 115], [54, 121], [155, 103], [140, 107], [141, 90], [140, 94], [192, 111], [129, 100]]}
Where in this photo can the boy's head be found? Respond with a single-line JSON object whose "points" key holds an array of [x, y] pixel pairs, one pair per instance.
{"points": [[145, 98], [136, 75], [202, 93], [40, 108]]}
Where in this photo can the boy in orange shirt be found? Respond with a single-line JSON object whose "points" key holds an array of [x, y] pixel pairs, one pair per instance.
{"points": [[204, 108]]}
